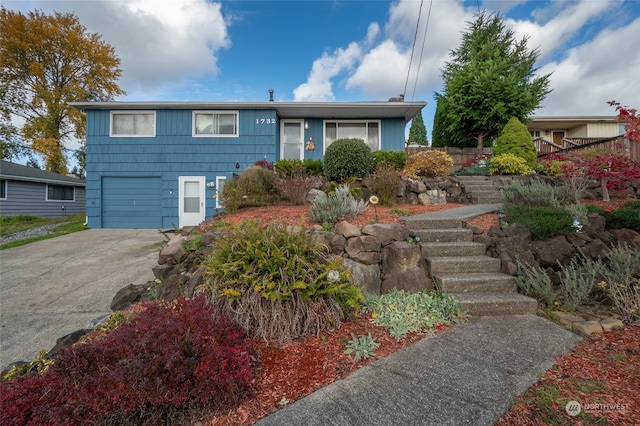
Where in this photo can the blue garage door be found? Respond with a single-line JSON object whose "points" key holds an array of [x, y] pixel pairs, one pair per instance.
{"points": [[131, 202]]}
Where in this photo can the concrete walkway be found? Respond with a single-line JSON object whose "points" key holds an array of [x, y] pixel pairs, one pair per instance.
{"points": [[468, 375], [54, 287]]}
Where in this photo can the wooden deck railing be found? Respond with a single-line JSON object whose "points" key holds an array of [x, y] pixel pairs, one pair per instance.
{"points": [[617, 143]]}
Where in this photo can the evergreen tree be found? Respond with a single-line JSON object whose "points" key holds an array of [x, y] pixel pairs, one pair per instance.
{"points": [[491, 78], [417, 131], [515, 139]]}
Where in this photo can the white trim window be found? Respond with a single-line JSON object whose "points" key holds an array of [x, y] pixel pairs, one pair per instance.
{"points": [[61, 193], [215, 124], [133, 123], [220, 181], [369, 131]]}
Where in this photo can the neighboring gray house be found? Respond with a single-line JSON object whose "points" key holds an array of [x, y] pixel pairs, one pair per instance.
{"points": [[27, 190]]}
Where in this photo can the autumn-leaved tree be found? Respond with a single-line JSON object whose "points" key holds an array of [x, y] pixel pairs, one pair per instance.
{"points": [[490, 78], [630, 118], [418, 131], [47, 61]]}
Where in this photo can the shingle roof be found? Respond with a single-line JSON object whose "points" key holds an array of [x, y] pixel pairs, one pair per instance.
{"points": [[13, 171]]}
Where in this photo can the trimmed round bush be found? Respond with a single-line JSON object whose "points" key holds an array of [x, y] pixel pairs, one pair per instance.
{"points": [[429, 163], [515, 139], [509, 164], [348, 158]]}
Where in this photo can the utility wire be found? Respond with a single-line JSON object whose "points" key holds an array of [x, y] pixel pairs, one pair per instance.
{"points": [[415, 36], [424, 40]]}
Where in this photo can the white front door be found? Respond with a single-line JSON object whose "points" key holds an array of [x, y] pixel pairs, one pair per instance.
{"points": [[291, 140], [192, 204]]}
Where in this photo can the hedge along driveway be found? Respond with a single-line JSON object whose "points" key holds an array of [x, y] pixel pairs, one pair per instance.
{"points": [[54, 287]]}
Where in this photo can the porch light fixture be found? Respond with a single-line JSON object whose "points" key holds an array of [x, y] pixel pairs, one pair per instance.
{"points": [[306, 125]]}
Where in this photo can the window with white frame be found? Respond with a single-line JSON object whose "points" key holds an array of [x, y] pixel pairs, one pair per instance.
{"points": [[535, 133], [220, 181], [133, 123], [215, 123], [60, 193], [3, 189], [369, 131]]}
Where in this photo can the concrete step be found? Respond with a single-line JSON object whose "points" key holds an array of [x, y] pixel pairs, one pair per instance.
{"points": [[457, 248], [476, 283], [433, 222], [494, 304], [443, 235], [462, 264]]}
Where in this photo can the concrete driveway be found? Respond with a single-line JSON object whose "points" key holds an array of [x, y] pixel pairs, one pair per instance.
{"points": [[54, 287]]}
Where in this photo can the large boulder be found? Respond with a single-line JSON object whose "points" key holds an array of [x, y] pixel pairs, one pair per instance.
{"points": [[387, 233], [553, 251], [628, 237], [412, 280], [127, 296], [347, 229], [367, 277], [364, 249], [400, 257]]}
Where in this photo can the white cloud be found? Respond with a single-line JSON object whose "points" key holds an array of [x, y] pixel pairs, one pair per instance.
{"points": [[593, 73], [159, 42], [318, 86], [561, 27]]}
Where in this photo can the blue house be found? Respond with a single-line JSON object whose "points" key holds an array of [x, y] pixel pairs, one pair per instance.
{"points": [[162, 164], [31, 191]]}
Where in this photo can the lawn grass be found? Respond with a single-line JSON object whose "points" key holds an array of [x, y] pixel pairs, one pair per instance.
{"points": [[12, 224]]}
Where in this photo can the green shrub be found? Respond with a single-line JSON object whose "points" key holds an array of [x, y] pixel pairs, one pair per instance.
{"points": [[509, 164], [256, 186], [334, 206], [625, 217], [313, 167], [398, 158], [515, 139], [289, 167], [543, 222], [347, 158], [430, 163], [537, 194], [535, 282], [621, 281], [402, 312], [277, 282], [232, 196], [384, 182], [479, 168], [577, 280]]}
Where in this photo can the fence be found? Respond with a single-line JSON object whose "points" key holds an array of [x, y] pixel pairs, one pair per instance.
{"points": [[618, 143]]}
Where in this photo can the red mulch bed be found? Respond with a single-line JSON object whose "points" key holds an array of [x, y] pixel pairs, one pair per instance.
{"points": [[286, 374]]}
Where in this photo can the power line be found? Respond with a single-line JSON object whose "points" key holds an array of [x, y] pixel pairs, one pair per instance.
{"points": [[424, 40], [415, 37]]}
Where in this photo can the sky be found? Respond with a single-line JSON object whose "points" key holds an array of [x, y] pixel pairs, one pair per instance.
{"points": [[354, 50]]}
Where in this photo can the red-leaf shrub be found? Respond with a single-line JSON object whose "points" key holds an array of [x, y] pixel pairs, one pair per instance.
{"points": [[613, 169], [171, 359], [630, 118]]}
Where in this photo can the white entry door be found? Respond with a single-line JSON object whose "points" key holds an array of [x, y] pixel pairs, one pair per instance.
{"points": [[291, 135], [192, 200]]}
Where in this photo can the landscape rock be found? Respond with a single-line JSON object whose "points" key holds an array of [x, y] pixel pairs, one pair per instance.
{"points": [[68, 340], [628, 237], [412, 280], [553, 251], [587, 327], [400, 257], [347, 229], [387, 233], [367, 277], [365, 243], [195, 281], [127, 296], [173, 253]]}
